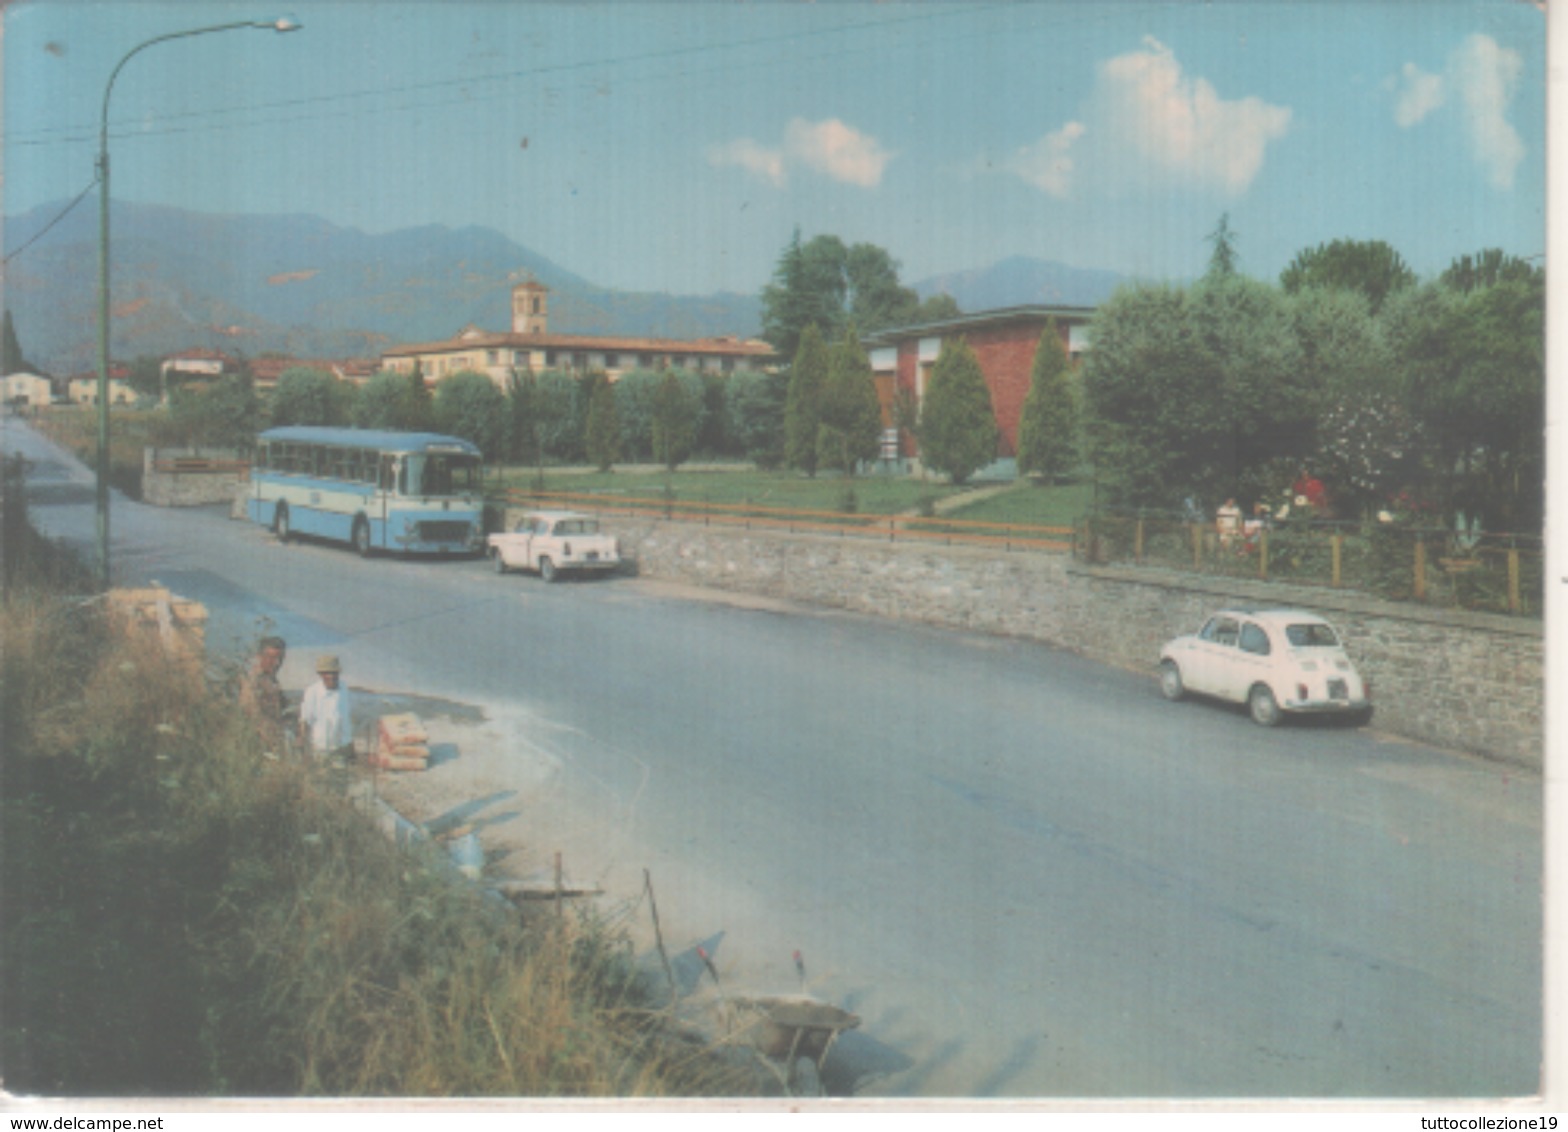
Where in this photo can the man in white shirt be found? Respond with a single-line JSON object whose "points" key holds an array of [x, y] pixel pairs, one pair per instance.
{"points": [[326, 715]]}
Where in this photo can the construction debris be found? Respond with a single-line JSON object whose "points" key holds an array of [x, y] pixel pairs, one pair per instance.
{"points": [[401, 743]]}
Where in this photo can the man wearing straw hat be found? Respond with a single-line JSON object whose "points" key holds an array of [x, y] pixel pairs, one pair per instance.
{"points": [[326, 715]]}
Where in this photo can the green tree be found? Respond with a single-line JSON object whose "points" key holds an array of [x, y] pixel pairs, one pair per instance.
{"points": [[1490, 267], [1371, 267], [560, 410], [674, 422], [387, 400], [851, 415], [420, 403], [790, 302], [1189, 392], [469, 405], [146, 376], [602, 426], [306, 396], [937, 308], [522, 424], [11, 360], [1223, 260], [755, 404], [957, 421], [803, 405], [224, 415], [876, 298], [1048, 428]]}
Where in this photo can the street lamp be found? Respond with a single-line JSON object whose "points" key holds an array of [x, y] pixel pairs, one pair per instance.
{"points": [[279, 25]]}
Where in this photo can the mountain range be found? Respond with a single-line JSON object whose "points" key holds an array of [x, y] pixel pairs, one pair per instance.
{"points": [[301, 286]]}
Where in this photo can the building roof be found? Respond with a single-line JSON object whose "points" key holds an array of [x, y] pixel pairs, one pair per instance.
{"points": [[269, 369], [1027, 313], [467, 340]]}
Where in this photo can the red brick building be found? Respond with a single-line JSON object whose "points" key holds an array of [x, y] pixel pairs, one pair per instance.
{"points": [[1004, 342]]}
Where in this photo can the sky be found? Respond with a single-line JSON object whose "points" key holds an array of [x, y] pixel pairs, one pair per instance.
{"points": [[677, 146]]}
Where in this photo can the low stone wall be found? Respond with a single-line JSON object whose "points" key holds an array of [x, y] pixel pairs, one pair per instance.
{"points": [[165, 486], [1464, 680]]}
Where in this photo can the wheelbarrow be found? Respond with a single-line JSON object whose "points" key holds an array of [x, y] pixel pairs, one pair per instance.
{"points": [[794, 1030]]}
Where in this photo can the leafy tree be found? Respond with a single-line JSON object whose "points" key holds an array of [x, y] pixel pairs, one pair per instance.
{"points": [[224, 415], [1189, 391], [387, 401], [829, 284], [1488, 268], [1048, 429], [957, 421], [146, 376], [421, 404], [674, 422], [937, 308], [1371, 267], [11, 360], [755, 403], [560, 410], [307, 396], [469, 405], [713, 415], [522, 423], [851, 415], [1223, 259], [602, 426], [1472, 369], [803, 407]]}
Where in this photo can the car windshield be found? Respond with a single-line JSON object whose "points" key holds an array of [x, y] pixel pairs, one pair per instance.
{"points": [[1311, 637]]}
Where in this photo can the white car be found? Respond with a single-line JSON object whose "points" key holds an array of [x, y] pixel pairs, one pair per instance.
{"points": [[554, 542], [1277, 662]]}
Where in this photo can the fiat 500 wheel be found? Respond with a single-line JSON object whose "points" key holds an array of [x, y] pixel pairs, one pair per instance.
{"points": [[1264, 708], [1171, 686]]}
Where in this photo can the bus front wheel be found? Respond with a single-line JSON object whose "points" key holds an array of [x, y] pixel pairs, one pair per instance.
{"points": [[280, 522], [361, 537]]}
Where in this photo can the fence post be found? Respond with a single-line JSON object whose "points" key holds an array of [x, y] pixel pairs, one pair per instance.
{"points": [[1513, 580], [1137, 542], [1339, 550], [1197, 545], [1419, 587], [1263, 554]]}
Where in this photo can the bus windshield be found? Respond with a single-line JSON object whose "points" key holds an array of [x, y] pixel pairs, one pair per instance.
{"points": [[440, 474]]}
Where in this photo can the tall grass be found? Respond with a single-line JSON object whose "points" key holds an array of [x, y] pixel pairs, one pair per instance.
{"points": [[184, 916]]}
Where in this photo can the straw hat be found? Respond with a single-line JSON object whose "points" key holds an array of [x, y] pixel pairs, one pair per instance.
{"points": [[328, 664]]}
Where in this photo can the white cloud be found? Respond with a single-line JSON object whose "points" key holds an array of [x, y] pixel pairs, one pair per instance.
{"points": [[840, 151], [1048, 164], [830, 147], [1483, 76], [749, 155], [1487, 75], [1147, 124], [1417, 94]]}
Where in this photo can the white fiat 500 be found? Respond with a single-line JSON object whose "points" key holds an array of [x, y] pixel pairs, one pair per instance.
{"points": [[1277, 662], [553, 543]]}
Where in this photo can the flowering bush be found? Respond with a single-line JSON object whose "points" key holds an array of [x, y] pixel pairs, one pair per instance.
{"points": [[1366, 446]]}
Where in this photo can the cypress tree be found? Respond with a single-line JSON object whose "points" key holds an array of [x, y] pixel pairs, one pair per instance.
{"points": [[602, 428], [803, 405], [1048, 430], [957, 423]]}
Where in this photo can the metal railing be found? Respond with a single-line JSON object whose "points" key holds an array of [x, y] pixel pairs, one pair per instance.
{"points": [[1501, 573], [844, 524]]}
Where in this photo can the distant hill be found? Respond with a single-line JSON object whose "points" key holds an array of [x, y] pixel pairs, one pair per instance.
{"points": [[1020, 281], [300, 285]]}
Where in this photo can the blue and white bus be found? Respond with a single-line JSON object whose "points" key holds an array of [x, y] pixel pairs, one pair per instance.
{"points": [[413, 492]]}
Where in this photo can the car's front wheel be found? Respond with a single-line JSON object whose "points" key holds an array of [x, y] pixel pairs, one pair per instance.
{"points": [[1263, 706], [1171, 686], [498, 560], [547, 569]]}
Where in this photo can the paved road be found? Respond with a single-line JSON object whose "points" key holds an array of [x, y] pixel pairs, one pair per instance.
{"points": [[1026, 872]]}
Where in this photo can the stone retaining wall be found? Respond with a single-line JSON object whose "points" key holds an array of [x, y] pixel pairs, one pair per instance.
{"points": [[188, 489], [1465, 680]]}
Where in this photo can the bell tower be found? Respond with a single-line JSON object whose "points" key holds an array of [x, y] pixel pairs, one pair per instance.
{"points": [[530, 308]]}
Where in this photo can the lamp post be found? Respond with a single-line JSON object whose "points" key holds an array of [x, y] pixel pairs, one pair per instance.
{"points": [[278, 25]]}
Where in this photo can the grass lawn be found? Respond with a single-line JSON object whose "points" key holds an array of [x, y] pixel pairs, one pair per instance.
{"points": [[1027, 503], [874, 495]]}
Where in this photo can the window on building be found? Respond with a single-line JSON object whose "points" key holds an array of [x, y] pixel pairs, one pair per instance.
{"points": [[612, 361], [727, 365], [645, 361]]}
